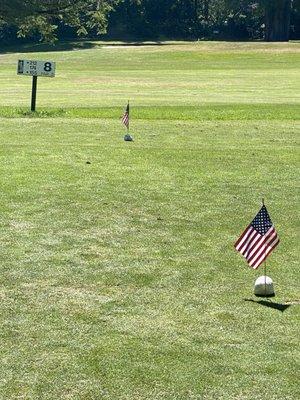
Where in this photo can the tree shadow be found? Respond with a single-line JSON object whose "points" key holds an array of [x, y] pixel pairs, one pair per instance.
{"points": [[73, 45], [277, 306], [44, 47]]}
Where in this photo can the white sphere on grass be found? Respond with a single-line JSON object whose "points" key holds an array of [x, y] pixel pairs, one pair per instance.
{"points": [[264, 286]]}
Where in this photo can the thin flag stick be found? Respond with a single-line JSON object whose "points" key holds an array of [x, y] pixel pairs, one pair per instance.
{"points": [[265, 272], [256, 243], [125, 117], [265, 263], [128, 118], [126, 122]]}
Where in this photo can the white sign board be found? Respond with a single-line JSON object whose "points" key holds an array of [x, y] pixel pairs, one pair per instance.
{"points": [[36, 68]]}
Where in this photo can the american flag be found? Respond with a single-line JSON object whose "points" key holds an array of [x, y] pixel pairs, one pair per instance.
{"points": [[125, 117], [258, 239]]}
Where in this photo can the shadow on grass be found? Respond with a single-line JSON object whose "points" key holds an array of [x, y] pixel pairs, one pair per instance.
{"points": [[277, 306], [73, 45]]}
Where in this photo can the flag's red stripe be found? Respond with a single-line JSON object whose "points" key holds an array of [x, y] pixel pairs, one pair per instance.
{"points": [[252, 237], [257, 245], [252, 244], [262, 246], [256, 248], [245, 239], [256, 237], [260, 260], [263, 251], [125, 119], [242, 236], [265, 255]]}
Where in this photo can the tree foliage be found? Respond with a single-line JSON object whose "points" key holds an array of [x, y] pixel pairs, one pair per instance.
{"points": [[231, 19], [44, 17], [186, 19]]}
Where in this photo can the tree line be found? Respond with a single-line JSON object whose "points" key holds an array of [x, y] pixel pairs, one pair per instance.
{"points": [[52, 20]]}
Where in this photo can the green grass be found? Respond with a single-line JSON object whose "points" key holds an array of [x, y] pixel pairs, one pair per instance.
{"points": [[165, 75], [212, 112], [118, 279]]}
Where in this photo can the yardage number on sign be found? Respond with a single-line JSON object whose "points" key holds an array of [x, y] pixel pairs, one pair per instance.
{"points": [[36, 68]]}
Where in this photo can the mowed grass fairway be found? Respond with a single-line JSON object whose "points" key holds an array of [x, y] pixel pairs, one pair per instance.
{"points": [[119, 280]]}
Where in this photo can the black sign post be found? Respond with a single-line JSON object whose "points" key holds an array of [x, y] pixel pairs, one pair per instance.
{"points": [[33, 93]]}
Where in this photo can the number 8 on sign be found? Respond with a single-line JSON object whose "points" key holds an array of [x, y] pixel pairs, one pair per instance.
{"points": [[47, 67]]}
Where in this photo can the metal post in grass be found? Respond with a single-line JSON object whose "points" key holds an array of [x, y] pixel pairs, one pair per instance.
{"points": [[33, 93], [35, 69]]}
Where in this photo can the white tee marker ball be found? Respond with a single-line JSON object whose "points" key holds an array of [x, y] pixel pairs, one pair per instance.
{"points": [[264, 287]]}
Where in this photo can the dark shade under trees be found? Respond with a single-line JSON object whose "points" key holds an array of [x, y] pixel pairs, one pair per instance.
{"points": [[51, 20], [277, 20]]}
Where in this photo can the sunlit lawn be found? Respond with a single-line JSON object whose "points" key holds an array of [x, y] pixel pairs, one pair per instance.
{"points": [[119, 280]]}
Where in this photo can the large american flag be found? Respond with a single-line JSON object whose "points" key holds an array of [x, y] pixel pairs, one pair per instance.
{"points": [[125, 117], [258, 239]]}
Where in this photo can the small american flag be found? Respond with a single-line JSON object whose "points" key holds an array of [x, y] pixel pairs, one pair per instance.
{"points": [[258, 239], [125, 117]]}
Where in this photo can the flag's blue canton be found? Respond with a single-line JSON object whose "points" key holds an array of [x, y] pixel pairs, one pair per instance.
{"points": [[262, 222]]}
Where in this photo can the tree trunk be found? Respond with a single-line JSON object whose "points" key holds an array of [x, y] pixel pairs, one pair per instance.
{"points": [[196, 11], [206, 9], [277, 20]]}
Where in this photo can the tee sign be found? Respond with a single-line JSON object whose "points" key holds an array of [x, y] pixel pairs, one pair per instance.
{"points": [[36, 68]]}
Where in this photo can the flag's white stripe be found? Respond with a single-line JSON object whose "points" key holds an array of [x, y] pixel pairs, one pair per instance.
{"points": [[261, 259], [244, 237], [263, 246], [263, 243], [125, 119], [264, 238], [253, 244], [265, 255], [271, 248], [263, 251], [252, 237], [245, 242], [249, 246]]}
